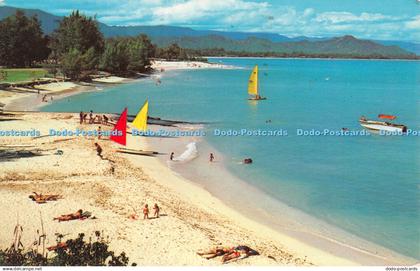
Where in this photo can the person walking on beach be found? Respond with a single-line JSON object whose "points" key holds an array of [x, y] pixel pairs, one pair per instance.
{"points": [[146, 211], [172, 156], [211, 157], [99, 132], [81, 117], [98, 150], [85, 118], [156, 210]]}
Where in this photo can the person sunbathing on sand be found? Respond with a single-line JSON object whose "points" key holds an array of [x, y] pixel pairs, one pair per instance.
{"points": [[76, 215], [215, 252], [39, 198], [239, 252]]}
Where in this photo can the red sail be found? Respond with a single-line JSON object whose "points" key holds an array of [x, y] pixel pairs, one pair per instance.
{"points": [[390, 117], [120, 129]]}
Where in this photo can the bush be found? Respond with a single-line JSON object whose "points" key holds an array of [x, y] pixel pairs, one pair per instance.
{"points": [[77, 252]]}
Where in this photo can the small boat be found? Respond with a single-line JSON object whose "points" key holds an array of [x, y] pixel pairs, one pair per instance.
{"points": [[253, 85], [386, 126]]}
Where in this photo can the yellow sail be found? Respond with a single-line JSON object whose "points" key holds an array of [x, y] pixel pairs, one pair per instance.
{"points": [[253, 82], [140, 122]]}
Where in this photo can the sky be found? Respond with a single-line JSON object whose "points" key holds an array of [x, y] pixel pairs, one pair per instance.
{"points": [[370, 19]]}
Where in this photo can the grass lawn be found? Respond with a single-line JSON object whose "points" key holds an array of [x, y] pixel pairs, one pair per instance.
{"points": [[21, 75]]}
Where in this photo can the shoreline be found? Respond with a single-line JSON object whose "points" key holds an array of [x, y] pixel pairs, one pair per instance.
{"points": [[115, 187], [359, 251], [166, 177], [25, 99], [312, 58]]}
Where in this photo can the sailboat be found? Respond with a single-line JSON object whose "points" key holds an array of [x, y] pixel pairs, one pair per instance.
{"points": [[140, 122], [253, 85]]}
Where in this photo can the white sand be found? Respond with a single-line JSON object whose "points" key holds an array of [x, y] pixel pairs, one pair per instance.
{"points": [[161, 65], [192, 218], [110, 79], [57, 87]]}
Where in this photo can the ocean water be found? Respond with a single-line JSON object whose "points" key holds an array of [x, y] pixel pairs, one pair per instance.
{"points": [[366, 185]]}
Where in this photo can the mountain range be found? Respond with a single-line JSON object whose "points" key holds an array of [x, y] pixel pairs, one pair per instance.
{"points": [[251, 42]]}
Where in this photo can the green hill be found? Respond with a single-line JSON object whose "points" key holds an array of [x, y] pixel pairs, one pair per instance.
{"points": [[346, 46], [241, 43]]}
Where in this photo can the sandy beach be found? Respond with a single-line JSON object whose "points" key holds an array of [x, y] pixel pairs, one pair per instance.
{"points": [[119, 185], [160, 65], [191, 220]]}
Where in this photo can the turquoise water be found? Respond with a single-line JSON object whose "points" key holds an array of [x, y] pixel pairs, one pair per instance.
{"points": [[366, 185]]}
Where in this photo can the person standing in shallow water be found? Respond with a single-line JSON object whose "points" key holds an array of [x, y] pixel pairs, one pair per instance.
{"points": [[211, 157], [172, 156]]}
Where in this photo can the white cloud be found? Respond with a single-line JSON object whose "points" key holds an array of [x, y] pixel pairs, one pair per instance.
{"points": [[308, 12], [341, 17], [255, 16], [191, 10], [2, 3], [414, 23]]}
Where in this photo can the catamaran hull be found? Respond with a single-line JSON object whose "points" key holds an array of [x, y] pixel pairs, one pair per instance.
{"points": [[255, 99]]}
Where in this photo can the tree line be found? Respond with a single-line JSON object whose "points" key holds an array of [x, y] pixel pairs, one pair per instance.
{"points": [[77, 48]]}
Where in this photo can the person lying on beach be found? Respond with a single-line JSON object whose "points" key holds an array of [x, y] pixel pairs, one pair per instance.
{"points": [[156, 210], [239, 252], [98, 150], [39, 198], [146, 212], [215, 252], [77, 215]]}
